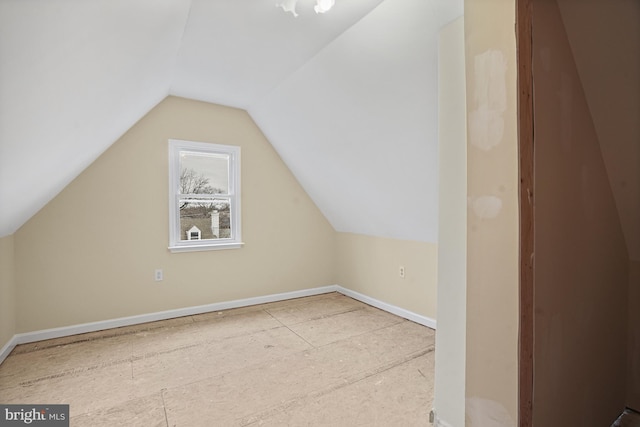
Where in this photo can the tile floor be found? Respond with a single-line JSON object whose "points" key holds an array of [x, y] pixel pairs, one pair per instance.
{"points": [[326, 360]]}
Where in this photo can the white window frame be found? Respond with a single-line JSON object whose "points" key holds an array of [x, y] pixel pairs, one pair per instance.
{"points": [[176, 244]]}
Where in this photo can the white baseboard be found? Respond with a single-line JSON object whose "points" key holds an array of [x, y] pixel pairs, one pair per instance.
{"points": [[409, 315], [189, 311], [64, 331], [83, 328], [6, 349], [441, 423]]}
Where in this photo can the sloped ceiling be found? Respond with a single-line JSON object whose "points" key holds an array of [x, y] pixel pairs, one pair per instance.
{"points": [[233, 52], [347, 98], [357, 123], [605, 41], [74, 76]]}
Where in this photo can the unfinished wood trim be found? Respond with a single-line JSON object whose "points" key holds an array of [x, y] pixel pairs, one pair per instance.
{"points": [[524, 13]]}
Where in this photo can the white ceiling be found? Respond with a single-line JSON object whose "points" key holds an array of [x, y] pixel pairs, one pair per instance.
{"points": [[357, 124], [347, 98], [233, 52], [74, 76]]}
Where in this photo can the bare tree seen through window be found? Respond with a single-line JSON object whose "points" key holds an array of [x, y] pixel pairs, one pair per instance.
{"points": [[194, 212], [192, 182]]}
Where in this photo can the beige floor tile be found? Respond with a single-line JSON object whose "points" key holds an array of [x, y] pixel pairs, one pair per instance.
{"points": [[400, 396], [64, 359], [301, 301], [317, 309], [214, 315], [234, 398], [226, 399], [329, 329], [166, 339], [265, 306], [144, 412], [215, 358], [86, 391], [108, 333], [382, 346], [273, 364]]}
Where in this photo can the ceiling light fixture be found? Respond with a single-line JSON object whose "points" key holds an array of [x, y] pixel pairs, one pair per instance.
{"points": [[324, 5], [321, 6]]}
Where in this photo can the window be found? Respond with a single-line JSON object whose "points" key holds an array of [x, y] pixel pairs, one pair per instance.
{"points": [[204, 196]]}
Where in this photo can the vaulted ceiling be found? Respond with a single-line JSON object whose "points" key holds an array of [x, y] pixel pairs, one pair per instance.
{"points": [[348, 96]]}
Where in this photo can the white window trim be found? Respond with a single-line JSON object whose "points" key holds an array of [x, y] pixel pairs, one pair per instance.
{"points": [[175, 243]]}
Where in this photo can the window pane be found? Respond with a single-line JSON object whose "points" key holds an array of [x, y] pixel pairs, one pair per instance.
{"points": [[204, 173], [205, 196], [209, 217]]}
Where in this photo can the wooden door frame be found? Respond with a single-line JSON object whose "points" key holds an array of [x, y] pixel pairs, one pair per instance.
{"points": [[524, 21]]}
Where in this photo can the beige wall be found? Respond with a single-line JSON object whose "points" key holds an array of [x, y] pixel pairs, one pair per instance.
{"points": [[633, 377], [369, 265], [7, 290], [492, 215], [452, 228], [581, 262], [90, 254]]}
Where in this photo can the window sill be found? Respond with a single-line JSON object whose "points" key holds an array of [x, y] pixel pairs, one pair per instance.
{"points": [[211, 247]]}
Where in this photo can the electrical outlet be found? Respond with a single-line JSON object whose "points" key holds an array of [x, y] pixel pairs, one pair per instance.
{"points": [[158, 275], [401, 272]]}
